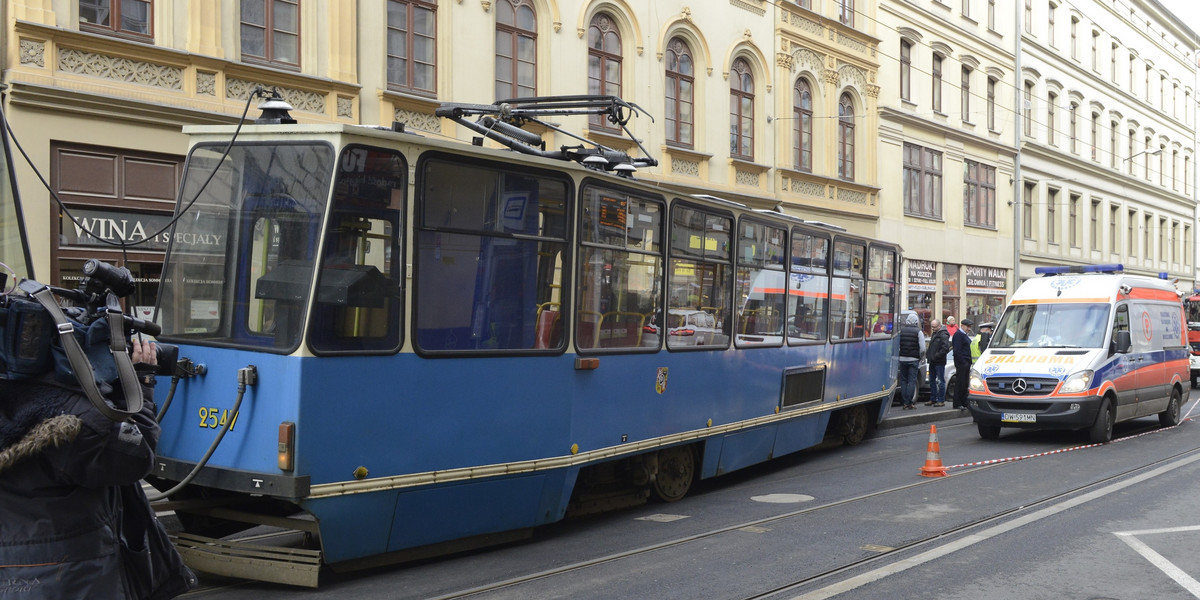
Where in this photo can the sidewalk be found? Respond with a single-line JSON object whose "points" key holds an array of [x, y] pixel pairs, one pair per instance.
{"points": [[898, 417]]}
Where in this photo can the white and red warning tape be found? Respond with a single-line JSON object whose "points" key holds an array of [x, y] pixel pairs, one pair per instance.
{"points": [[1060, 451]]}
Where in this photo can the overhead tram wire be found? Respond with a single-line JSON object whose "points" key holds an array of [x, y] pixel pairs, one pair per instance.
{"points": [[123, 243]]}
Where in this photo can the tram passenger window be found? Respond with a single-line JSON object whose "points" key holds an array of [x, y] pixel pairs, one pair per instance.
{"points": [[846, 307], [490, 240], [620, 271], [357, 307], [761, 284], [881, 292], [698, 314], [808, 289]]}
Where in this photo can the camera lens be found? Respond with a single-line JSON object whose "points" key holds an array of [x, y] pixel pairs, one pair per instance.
{"points": [[166, 355]]}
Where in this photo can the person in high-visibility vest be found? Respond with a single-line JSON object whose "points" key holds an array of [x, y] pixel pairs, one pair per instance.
{"points": [[980, 342]]}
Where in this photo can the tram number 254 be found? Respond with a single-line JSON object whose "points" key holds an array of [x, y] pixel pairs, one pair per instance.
{"points": [[214, 418]]}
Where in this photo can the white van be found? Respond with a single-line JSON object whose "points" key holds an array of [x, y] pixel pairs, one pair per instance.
{"points": [[1083, 347]]}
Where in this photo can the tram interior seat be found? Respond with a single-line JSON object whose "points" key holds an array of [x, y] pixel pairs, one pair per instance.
{"points": [[549, 325], [613, 329]]}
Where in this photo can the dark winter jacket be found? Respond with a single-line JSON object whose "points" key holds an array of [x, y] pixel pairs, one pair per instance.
{"points": [[61, 515], [939, 347], [962, 348]]}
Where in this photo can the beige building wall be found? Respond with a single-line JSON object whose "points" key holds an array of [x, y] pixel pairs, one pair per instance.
{"points": [[80, 87], [958, 263]]}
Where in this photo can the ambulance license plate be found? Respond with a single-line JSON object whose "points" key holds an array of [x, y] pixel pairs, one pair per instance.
{"points": [[1018, 418]]}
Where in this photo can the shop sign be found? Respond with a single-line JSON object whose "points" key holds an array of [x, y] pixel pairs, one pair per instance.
{"points": [[986, 280], [922, 275], [92, 226]]}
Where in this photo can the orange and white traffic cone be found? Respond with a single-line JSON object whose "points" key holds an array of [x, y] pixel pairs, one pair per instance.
{"points": [[933, 457]]}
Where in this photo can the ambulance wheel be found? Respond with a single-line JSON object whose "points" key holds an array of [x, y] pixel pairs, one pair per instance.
{"points": [[1102, 430], [989, 432], [1170, 417]]}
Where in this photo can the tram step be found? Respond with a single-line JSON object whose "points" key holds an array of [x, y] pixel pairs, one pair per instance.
{"points": [[291, 566]]}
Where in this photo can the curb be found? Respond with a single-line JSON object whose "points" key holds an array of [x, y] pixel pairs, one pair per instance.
{"points": [[932, 415]]}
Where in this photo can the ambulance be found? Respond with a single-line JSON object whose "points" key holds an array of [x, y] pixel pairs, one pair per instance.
{"points": [[1083, 348]]}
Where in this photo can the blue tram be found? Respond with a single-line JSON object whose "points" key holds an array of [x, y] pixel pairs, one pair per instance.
{"points": [[414, 345]]}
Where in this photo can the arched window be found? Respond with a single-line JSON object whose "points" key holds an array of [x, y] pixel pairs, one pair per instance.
{"points": [[741, 110], [604, 64], [846, 137], [516, 49], [802, 113], [680, 81]]}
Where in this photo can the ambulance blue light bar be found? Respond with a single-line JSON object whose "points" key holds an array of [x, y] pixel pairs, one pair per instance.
{"points": [[1080, 269]]}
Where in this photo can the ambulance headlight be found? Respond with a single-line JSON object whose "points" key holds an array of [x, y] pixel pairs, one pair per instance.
{"points": [[976, 382], [1077, 383]]}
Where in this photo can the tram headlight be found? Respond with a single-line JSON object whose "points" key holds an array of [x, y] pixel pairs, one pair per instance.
{"points": [[1077, 383]]}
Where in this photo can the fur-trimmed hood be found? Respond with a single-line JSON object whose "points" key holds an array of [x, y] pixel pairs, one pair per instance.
{"points": [[49, 433]]}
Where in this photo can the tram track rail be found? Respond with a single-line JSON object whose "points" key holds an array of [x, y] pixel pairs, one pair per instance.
{"points": [[883, 557]]}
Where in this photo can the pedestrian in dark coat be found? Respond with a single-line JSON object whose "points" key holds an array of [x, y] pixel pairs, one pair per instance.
{"points": [[939, 347], [63, 513], [961, 343], [910, 348]]}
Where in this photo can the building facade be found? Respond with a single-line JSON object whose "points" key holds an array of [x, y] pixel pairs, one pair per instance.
{"points": [[1108, 138], [947, 152], [890, 118], [99, 91]]}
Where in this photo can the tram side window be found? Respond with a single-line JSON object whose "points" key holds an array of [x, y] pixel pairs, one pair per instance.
{"points": [[359, 283], [761, 289], [846, 308], [620, 271], [698, 314], [808, 288], [488, 252], [881, 292]]}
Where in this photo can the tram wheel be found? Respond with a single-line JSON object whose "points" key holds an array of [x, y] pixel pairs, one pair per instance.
{"points": [[854, 425], [676, 470]]}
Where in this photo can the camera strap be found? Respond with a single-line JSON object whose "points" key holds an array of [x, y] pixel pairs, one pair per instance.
{"points": [[79, 361]]}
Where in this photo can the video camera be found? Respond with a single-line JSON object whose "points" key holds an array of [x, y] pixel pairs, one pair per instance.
{"points": [[29, 345]]}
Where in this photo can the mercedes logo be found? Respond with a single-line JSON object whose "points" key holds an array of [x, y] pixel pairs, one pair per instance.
{"points": [[1019, 386]]}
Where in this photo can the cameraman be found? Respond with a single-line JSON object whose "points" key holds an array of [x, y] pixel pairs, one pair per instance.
{"points": [[74, 522]]}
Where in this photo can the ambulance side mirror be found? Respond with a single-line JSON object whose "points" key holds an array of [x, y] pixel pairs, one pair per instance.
{"points": [[1122, 342]]}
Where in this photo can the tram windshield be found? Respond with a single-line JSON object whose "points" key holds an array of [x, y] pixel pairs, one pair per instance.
{"points": [[1052, 326], [241, 261]]}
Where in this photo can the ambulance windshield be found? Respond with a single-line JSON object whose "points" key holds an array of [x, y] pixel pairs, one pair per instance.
{"points": [[1081, 325]]}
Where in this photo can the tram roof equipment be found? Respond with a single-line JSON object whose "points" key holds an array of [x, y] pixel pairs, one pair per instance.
{"points": [[503, 121]]}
